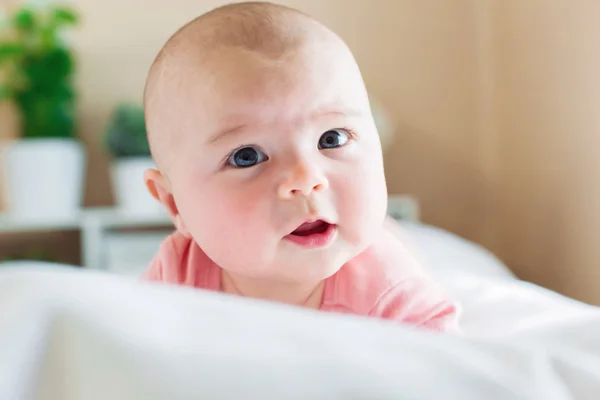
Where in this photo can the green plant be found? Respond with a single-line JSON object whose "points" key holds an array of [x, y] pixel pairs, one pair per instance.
{"points": [[36, 69], [126, 133]]}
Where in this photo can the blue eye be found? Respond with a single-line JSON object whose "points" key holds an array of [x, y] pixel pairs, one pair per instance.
{"points": [[333, 138], [246, 157]]}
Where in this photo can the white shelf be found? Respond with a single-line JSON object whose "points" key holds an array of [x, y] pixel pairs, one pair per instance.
{"points": [[106, 216], [114, 218], [9, 225], [94, 225]]}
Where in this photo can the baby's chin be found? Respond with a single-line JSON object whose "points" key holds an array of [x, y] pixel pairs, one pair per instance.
{"points": [[291, 272], [314, 273], [306, 268], [325, 265]]}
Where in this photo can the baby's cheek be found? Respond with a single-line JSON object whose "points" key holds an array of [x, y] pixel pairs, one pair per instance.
{"points": [[236, 218], [362, 202], [225, 236]]}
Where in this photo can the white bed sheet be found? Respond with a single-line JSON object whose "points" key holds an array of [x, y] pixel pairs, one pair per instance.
{"points": [[67, 334], [445, 252]]}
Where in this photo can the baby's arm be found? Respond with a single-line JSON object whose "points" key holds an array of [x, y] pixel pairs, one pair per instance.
{"points": [[418, 301], [415, 298]]}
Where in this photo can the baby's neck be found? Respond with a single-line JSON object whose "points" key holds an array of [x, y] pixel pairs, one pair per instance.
{"points": [[305, 295]]}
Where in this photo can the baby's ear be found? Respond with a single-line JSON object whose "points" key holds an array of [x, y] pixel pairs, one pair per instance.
{"points": [[159, 188]]}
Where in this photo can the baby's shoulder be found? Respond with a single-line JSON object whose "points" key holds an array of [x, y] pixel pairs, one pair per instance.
{"points": [[179, 260], [366, 279], [388, 281]]}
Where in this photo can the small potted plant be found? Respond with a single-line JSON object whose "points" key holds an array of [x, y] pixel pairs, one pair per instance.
{"points": [[45, 165], [127, 144]]}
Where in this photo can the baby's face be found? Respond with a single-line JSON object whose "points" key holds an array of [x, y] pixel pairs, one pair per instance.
{"points": [[265, 146]]}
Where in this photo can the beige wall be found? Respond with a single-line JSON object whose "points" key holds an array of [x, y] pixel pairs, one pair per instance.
{"points": [[483, 93], [548, 118]]}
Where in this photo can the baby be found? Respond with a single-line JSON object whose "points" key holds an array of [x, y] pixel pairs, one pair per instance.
{"points": [[270, 166]]}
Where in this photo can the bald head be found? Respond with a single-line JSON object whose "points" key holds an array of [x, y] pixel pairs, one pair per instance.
{"points": [[255, 28], [258, 26]]}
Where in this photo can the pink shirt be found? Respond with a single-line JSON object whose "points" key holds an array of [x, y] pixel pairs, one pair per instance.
{"points": [[384, 281]]}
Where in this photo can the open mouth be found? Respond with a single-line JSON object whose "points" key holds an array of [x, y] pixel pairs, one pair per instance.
{"points": [[314, 234], [311, 228]]}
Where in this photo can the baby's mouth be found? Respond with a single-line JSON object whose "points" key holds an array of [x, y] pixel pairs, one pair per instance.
{"points": [[313, 234], [311, 228]]}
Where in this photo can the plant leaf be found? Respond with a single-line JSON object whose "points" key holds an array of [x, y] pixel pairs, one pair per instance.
{"points": [[64, 16], [125, 135], [10, 51], [24, 20], [39, 71]]}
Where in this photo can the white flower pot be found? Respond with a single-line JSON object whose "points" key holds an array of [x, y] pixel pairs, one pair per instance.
{"points": [[131, 195], [44, 178]]}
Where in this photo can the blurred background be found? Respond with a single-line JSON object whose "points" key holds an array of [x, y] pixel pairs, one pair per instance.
{"points": [[492, 105]]}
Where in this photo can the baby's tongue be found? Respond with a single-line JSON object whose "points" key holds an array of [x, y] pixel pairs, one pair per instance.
{"points": [[310, 228]]}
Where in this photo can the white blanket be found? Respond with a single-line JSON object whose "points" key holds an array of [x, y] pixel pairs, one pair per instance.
{"points": [[443, 251], [67, 334]]}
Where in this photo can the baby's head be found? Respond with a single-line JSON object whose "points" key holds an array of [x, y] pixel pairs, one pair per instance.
{"points": [[259, 121]]}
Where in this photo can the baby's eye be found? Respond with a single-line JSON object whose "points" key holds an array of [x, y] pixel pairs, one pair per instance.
{"points": [[333, 138], [246, 157]]}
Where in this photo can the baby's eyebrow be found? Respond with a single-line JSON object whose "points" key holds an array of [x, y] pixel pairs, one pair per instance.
{"points": [[219, 135], [325, 112], [344, 112]]}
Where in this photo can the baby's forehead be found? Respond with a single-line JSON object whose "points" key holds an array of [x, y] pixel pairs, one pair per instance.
{"points": [[303, 79], [240, 87]]}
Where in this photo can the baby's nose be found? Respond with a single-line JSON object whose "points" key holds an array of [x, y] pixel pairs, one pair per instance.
{"points": [[303, 179]]}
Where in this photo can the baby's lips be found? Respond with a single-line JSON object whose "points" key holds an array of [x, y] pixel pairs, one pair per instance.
{"points": [[317, 226]]}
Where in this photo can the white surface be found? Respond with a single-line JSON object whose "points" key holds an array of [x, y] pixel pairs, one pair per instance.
{"points": [[108, 217], [84, 335], [130, 191], [96, 228], [445, 252], [130, 253], [95, 225], [44, 178]]}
